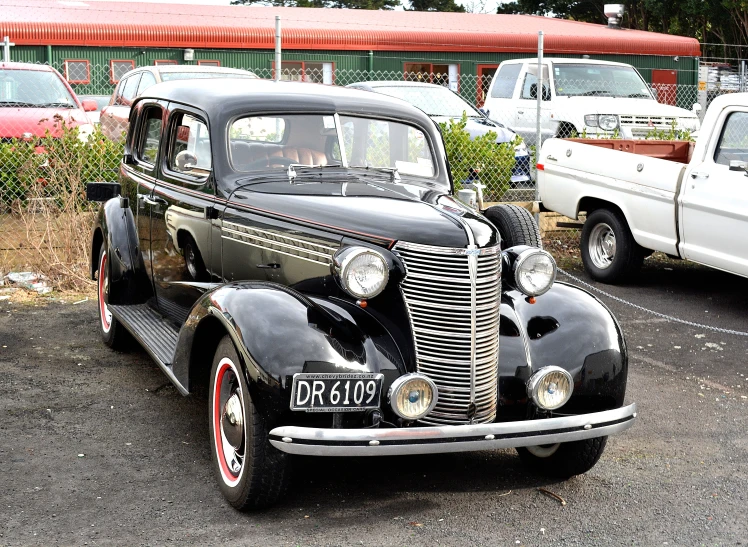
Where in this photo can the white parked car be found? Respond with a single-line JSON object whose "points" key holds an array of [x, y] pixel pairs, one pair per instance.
{"points": [[636, 204], [583, 96]]}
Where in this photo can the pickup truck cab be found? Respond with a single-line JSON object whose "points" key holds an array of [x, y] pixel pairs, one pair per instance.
{"points": [[581, 96], [637, 204]]}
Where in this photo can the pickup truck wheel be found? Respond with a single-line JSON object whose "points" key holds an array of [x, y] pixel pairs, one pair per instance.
{"points": [[251, 473], [112, 332], [609, 252], [515, 224], [564, 460]]}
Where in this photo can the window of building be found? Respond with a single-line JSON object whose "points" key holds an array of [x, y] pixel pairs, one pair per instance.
{"points": [[447, 75], [78, 71], [307, 71], [117, 69], [160, 62], [209, 63]]}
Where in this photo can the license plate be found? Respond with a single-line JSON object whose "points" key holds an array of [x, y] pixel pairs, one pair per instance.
{"points": [[335, 392]]}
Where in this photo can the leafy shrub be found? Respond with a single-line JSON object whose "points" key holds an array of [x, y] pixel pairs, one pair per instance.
{"points": [[494, 162]]}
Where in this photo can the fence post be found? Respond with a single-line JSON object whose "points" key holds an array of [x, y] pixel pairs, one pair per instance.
{"points": [[6, 48], [277, 48], [539, 93]]}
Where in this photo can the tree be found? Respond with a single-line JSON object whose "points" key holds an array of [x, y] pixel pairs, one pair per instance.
{"points": [[436, 5], [350, 4]]}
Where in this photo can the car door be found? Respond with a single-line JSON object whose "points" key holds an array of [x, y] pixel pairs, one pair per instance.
{"points": [[499, 104], [115, 117], [526, 107], [184, 204], [714, 202], [142, 171]]}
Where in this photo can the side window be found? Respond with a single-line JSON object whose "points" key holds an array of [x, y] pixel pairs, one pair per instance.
{"points": [[128, 92], [146, 81], [505, 80], [189, 146], [150, 135], [733, 143], [530, 86]]}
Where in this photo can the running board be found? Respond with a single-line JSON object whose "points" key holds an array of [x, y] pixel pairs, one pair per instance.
{"points": [[156, 334]]}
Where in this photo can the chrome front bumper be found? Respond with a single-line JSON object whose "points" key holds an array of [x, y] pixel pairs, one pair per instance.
{"points": [[310, 441]]}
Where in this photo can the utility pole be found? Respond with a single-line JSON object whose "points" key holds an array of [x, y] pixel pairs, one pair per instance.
{"points": [[277, 48]]}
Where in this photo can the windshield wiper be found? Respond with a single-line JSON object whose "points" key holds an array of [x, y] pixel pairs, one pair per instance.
{"points": [[638, 95], [394, 173], [54, 105], [292, 171], [15, 103], [596, 92]]}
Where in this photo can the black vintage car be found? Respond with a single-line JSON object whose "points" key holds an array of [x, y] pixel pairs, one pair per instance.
{"points": [[297, 250]]}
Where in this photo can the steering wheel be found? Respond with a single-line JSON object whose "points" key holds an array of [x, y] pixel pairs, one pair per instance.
{"points": [[283, 162]]}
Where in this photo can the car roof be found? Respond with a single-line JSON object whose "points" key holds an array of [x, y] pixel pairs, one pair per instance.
{"points": [[25, 66], [565, 60], [201, 68], [395, 83], [229, 96]]}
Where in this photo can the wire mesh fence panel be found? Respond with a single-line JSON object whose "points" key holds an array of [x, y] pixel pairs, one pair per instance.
{"points": [[63, 128]]}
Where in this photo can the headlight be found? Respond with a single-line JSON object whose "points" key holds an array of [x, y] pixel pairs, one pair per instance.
{"points": [[608, 122], [689, 124], [534, 272], [412, 396], [362, 272], [520, 149], [550, 387], [590, 120], [85, 131]]}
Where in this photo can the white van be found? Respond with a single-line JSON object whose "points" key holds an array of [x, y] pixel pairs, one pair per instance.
{"points": [[581, 96]]}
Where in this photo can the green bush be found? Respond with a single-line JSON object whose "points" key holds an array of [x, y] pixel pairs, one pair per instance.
{"points": [[493, 161]]}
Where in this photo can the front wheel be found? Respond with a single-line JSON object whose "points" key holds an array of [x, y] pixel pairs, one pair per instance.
{"points": [[609, 252], [112, 332], [251, 473], [563, 460]]}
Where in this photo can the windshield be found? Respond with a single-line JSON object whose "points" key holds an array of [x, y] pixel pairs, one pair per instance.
{"points": [[169, 76], [33, 88], [434, 101], [261, 143], [599, 80]]}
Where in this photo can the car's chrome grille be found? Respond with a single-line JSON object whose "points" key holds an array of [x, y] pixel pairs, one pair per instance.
{"points": [[438, 294]]}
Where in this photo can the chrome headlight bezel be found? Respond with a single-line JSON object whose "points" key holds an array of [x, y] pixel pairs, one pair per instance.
{"points": [[534, 383], [520, 262], [603, 122], [344, 261], [400, 383], [590, 120]]}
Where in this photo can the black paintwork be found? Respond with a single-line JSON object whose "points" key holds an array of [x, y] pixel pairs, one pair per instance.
{"points": [[289, 315]]}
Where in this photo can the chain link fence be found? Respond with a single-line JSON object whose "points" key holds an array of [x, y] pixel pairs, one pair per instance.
{"points": [[51, 145]]}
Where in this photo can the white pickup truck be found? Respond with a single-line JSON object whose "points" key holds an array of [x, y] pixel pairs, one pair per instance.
{"points": [[637, 204]]}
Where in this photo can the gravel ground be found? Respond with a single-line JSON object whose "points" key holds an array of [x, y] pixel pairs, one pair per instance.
{"points": [[97, 448]]}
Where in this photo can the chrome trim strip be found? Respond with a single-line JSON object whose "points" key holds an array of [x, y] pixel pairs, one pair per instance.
{"points": [[277, 251], [450, 250], [270, 235], [452, 438], [271, 242]]}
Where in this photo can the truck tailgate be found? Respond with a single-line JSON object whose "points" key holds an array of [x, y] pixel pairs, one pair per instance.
{"points": [[643, 188]]}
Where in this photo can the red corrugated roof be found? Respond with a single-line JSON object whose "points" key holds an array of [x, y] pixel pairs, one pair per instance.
{"points": [[99, 23]]}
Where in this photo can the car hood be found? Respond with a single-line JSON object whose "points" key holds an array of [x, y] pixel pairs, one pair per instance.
{"points": [[633, 107], [382, 213], [15, 121], [480, 126]]}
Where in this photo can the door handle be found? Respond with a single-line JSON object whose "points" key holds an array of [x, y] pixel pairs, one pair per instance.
{"points": [[271, 266], [697, 174], [520, 111], [151, 201]]}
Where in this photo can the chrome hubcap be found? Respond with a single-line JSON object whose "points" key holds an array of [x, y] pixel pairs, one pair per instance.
{"points": [[602, 246], [190, 260], [543, 450], [232, 421]]}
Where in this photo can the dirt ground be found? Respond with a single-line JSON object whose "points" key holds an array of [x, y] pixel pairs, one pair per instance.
{"points": [[97, 448]]}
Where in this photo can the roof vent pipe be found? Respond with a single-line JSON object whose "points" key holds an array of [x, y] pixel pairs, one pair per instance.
{"points": [[614, 13]]}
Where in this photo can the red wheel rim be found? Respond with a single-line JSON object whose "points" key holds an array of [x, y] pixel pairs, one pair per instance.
{"points": [[226, 368], [106, 316]]}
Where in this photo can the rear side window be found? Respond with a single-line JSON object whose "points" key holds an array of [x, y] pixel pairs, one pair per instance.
{"points": [[146, 81], [505, 80], [733, 143], [128, 92], [150, 136]]}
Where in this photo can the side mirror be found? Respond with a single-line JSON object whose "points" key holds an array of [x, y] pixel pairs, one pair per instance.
{"points": [[656, 93], [102, 191], [737, 165], [185, 160], [485, 112], [696, 107], [89, 106], [128, 159]]}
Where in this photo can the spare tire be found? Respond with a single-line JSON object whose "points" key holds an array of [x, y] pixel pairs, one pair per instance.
{"points": [[515, 224]]}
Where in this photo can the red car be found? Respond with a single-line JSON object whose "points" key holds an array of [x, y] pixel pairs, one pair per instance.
{"points": [[35, 99]]}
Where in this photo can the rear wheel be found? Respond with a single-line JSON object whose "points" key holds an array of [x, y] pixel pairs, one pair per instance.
{"points": [[112, 332], [609, 252], [563, 460], [516, 226], [251, 473]]}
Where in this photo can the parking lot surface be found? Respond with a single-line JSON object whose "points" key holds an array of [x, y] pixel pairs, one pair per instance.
{"points": [[96, 448]]}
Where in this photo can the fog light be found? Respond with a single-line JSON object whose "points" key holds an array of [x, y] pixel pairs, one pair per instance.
{"points": [[412, 396], [550, 387]]}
